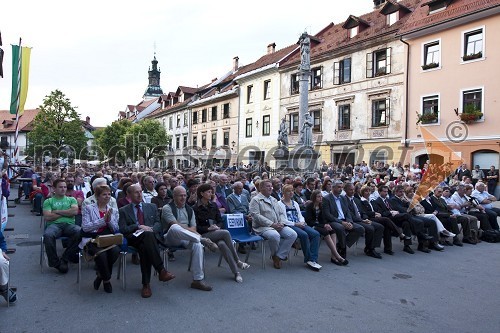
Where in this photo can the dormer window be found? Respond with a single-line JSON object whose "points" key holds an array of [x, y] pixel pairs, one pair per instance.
{"points": [[436, 6], [394, 11], [353, 32], [392, 18], [354, 25]]}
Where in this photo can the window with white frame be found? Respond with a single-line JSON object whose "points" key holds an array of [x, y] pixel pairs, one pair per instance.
{"points": [[214, 112], [214, 139], [378, 63], [249, 94], [316, 115], [204, 141], [353, 32], [171, 122], [472, 102], [344, 116], [195, 117], [267, 89], [185, 119], [184, 141], [392, 18], [473, 44], [294, 84], [225, 111], [204, 115], [266, 125], [380, 112], [248, 128], [293, 120], [195, 140], [177, 142], [226, 139], [316, 80], [178, 120], [430, 109], [342, 71], [431, 55]]}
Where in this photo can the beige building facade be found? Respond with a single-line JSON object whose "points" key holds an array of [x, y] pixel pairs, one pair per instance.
{"points": [[454, 83]]}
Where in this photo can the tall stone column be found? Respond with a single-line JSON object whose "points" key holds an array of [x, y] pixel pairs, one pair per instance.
{"points": [[304, 74]]}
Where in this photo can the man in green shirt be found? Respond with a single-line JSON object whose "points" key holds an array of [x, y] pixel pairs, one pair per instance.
{"points": [[59, 212]]}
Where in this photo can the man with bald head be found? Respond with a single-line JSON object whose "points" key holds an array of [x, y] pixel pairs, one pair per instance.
{"points": [[178, 227]]}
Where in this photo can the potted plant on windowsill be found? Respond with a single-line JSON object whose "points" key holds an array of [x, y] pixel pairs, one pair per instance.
{"points": [[431, 65], [427, 118], [470, 114], [381, 71], [472, 56]]}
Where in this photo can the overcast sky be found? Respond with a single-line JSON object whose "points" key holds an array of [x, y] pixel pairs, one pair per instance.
{"points": [[98, 52]]}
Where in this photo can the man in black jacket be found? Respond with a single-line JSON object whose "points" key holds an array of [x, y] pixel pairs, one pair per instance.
{"points": [[373, 230], [136, 223], [336, 213], [446, 215], [401, 219], [418, 223]]}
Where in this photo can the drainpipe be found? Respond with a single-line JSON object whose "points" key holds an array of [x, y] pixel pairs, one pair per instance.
{"points": [[407, 89]]}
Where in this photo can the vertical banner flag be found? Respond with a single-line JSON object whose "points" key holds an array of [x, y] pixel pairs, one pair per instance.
{"points": [[1, 57], [20, 76]]}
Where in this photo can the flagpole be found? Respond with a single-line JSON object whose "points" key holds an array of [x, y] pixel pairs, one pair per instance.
{"points": [[18, 102]]}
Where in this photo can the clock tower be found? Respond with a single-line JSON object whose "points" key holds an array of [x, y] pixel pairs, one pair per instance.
{"points": [[153, 90]]}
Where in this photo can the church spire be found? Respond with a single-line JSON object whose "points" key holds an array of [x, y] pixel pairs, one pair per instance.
{"points": [[154, 90]]}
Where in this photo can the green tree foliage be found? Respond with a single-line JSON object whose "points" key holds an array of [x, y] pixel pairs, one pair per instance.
{"points": [[109, 140], [145, 139], [57, 129]]}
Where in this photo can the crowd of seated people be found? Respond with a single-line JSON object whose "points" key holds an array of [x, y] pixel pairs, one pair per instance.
{"points": [[339, 204]]}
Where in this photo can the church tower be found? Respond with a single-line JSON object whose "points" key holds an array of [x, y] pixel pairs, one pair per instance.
{"points": [[154, 89]]}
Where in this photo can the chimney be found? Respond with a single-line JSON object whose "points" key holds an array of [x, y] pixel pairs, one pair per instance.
{"points": [[271, 48], [87, 120], [377, 4], [235, 63]]}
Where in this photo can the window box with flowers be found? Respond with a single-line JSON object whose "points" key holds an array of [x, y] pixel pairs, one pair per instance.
{"points": [[470, 114], [427, 118], [430, 66], [472, 56]]}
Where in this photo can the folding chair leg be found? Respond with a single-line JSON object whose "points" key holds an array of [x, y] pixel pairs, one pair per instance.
{"points": [[79, 274], [263, 255], [8, 289], [41, 254], [220, 260]]}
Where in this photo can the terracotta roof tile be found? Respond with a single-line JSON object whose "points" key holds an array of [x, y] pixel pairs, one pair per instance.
{"points": [[334, 37], [420, 18], [7, 121]]}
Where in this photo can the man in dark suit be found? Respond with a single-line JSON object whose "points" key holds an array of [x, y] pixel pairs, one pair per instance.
{"points": [[336, 213], [238, 203], [277, 194], [401, 219], [309, 188], [136, 222], [418, 223], [373, 230], [445, 215]]}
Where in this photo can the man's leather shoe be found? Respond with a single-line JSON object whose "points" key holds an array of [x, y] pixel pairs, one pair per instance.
{"points": [[457, 242], [436, 247], [468, 241], [165, 275], [389, 252], [422, 248], [199, 284], [276, 262], [135, 259], [146, 291], [426, 237], [373, 254], [408, 249]]}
